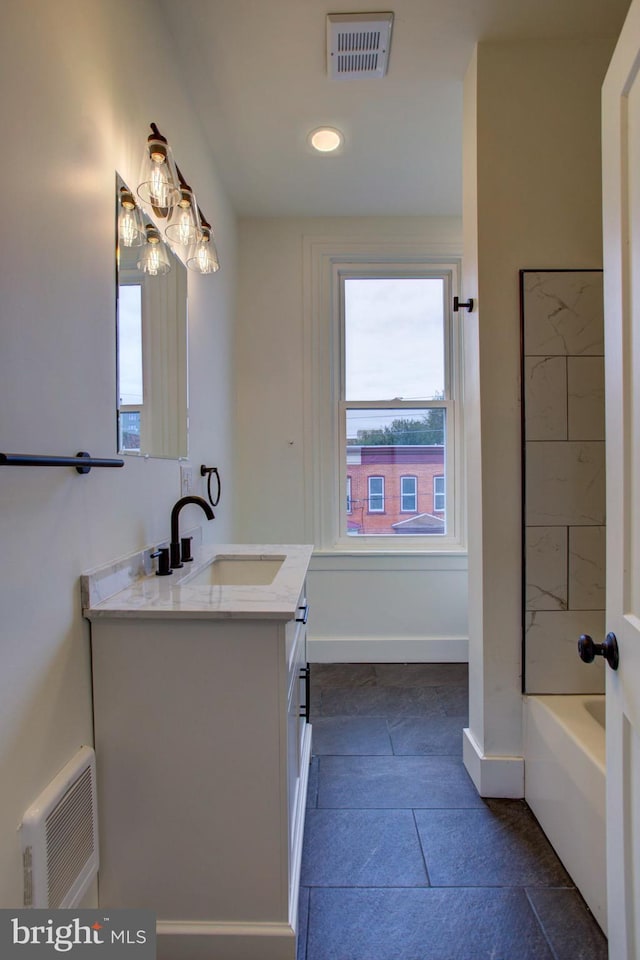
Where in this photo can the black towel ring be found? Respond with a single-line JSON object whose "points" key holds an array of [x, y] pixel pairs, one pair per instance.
{"points": [[206, 472]]}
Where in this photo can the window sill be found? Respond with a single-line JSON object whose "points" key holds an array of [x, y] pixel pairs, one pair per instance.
{"points": [[452, 551], [394, 546], [331, 560]]}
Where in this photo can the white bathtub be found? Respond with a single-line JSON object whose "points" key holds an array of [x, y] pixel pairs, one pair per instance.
{"points": [[564, 757]]}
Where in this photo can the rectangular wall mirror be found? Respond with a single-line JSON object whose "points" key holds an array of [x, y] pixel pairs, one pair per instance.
{"points": [[151, 354]]}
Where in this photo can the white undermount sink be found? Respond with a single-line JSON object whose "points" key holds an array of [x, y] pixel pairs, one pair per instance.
{"points": [[240, 570]]}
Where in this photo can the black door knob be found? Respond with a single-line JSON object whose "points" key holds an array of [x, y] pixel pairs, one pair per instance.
{"points": [[589, 650]]}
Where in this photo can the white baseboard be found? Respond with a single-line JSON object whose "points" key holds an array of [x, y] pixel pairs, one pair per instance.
{"points": [[388, 650], [199, 940], [492, 776]]}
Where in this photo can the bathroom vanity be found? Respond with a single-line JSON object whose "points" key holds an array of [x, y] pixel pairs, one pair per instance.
{"points": [[203, 746]]}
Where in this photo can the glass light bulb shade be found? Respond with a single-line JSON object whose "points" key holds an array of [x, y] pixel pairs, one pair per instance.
{"points": [[131, 232], [203, 256], [154, 259], [159, 185], [184, 224]]}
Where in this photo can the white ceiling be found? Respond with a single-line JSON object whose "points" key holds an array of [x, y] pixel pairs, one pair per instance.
{"points": [[257, 75]]}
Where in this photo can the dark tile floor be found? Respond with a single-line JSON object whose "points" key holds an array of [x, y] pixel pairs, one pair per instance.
{"points": [[402, 859]]}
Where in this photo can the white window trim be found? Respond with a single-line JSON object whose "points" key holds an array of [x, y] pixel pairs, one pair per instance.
{"points": [[413, 509], [325, 494], [349, 501], [439, 493]]}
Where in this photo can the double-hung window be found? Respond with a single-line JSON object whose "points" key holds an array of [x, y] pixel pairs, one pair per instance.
{"points": [[397, 406], [376, 495], [409, 494], [384, 410]]}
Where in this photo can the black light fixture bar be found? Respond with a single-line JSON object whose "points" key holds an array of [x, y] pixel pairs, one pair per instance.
{"points": [[82, 461]]}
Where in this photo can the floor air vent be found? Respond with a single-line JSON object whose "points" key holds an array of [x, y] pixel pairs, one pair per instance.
{"points": [[60, 837], [358, 44]]}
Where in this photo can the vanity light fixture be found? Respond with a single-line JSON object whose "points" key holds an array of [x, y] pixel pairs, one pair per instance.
{"points": [[159, 184], [203, 256], [154, 259], [163, 187], [326, 139], [131, 232]]}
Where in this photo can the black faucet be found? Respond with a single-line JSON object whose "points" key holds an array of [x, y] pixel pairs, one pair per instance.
{"points": [[178, 557]]}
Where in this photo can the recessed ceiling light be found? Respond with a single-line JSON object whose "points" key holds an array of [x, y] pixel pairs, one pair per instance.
{"points": [[325, 139]]}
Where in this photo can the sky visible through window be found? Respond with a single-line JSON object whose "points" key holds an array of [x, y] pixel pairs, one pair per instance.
{"points": [[394, 344], [130, 344]]}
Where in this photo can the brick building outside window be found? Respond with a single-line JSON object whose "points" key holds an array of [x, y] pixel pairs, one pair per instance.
{"points": [[395, 489]]}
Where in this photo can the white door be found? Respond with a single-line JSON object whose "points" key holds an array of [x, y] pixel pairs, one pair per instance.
{"points": [[621, 191]]}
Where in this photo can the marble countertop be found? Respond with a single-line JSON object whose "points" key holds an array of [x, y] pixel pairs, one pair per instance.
{"points": [[127, 588]]}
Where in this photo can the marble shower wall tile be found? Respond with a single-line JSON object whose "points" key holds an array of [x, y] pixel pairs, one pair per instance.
{"points": [[585, 387], [552, 663], [565, 484], [545, 383], [563, 313], [546, 567], [587, 548]]}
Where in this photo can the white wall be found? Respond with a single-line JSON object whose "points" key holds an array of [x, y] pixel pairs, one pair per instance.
{"points": [[532, 200], [363, 608], [81, 81]]}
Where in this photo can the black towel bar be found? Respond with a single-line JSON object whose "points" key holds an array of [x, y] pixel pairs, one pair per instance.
{"points": [[82, 461]]}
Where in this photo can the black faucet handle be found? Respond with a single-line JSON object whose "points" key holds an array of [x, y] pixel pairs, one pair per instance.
{"points": [[164, 568], [174, 548], [185, 549]]}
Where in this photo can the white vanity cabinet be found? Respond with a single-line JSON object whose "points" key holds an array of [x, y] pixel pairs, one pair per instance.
{"points": [[203, 752]]}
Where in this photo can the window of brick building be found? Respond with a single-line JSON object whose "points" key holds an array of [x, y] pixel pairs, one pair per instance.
{"points": [[375, 494], [409, 494]]}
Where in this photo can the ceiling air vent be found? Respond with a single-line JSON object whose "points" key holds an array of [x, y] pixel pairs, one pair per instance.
{"points": [[358, 44]]}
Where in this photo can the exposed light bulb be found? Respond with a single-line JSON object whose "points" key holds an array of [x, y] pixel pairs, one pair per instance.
{"points": [[152, 266], [130, 227], [158, 178], [154, 259], [204, 256], [160, 191], [184, 228], [127, 229], [184, 225]]}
